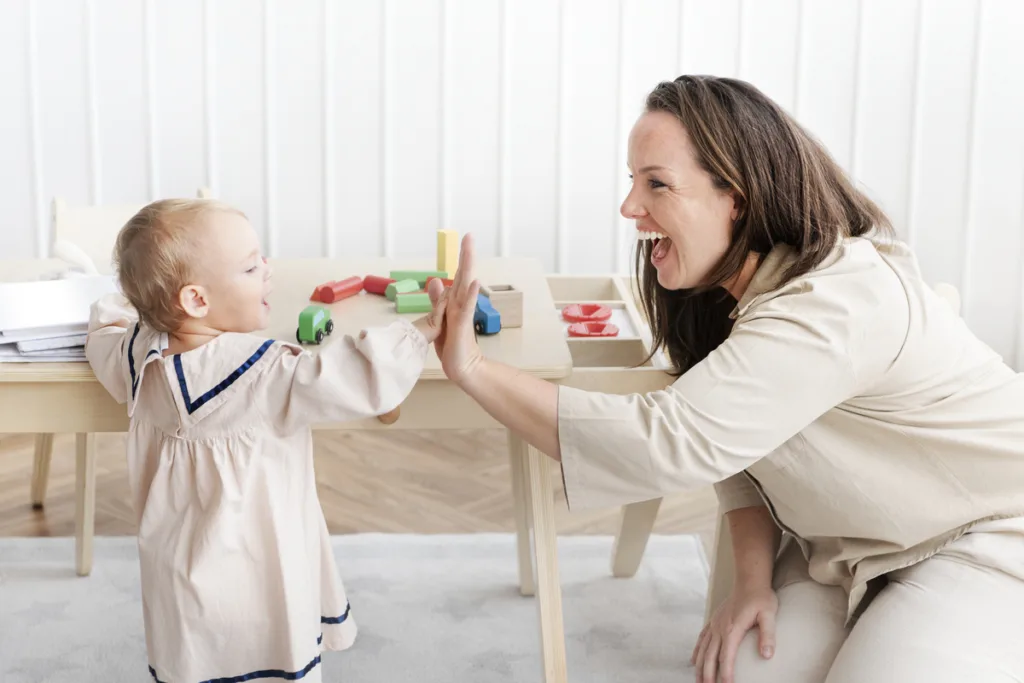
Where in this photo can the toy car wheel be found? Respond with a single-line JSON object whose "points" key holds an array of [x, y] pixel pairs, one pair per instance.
{"points": [[479, 327], [329, 326], [319, 336], [298, 335]]}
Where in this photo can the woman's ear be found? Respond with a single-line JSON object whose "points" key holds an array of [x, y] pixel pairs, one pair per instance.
{"points": [[738, 206], [194, 301]]}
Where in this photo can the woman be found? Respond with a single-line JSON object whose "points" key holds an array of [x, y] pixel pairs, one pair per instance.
{"points": [[830, 396]]}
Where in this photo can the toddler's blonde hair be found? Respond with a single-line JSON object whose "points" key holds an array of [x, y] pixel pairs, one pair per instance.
{"points": [[154, 253]]}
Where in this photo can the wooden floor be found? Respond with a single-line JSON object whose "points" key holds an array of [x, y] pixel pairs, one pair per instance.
{"points": [[397, 481]]}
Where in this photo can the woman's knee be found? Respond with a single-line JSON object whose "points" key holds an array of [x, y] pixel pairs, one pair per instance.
{"points": [[809, 632]]}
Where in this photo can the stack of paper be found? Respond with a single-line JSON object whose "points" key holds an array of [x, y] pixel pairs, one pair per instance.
{"points": [[46, 321]]}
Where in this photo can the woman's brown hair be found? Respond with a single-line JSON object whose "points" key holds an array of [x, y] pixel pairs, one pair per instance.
{"points": [[788, 189]]}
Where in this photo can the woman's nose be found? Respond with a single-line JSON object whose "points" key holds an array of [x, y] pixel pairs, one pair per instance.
{"points": [[631, 208]]}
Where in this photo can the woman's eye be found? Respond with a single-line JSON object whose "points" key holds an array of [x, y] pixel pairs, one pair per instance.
{"points": [[655, 184]]}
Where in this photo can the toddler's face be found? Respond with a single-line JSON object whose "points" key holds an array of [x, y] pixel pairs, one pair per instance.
{"points": [[233, 279]]}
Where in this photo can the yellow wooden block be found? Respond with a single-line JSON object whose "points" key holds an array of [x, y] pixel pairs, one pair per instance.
{"points": [[448, 251]]}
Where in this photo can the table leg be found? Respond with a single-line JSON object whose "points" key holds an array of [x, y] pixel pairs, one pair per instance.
{"points": [[635, 528], [85, 501], [549, 592], [517, 456], [41, 469]]}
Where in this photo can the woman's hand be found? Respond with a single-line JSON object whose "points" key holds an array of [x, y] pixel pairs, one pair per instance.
{"points": [[746, 607], [456, 345], [432, 324]]}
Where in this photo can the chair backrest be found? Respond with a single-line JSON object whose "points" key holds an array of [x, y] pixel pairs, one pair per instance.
{"points": [[93, 229]]}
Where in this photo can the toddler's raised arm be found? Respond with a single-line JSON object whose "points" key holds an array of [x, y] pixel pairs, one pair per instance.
{"points": [[109, 321], [350, 379]]}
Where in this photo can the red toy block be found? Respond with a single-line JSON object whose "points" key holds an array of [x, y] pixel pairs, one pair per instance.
{"points": [[375, 284], [337, 290], [444, 281], [586, 313], [596, 329]]}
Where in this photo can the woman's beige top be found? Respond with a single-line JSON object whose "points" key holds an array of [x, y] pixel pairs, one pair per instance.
{"points": [[852, 401], [238, 577]]}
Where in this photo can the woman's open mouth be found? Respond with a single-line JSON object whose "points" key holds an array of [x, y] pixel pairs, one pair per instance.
{"points": [[661, 244]]}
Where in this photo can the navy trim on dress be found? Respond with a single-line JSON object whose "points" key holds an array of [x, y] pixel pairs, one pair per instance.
{"points": [[337, 620], [193, 406], [276, 673], [131, 360]]}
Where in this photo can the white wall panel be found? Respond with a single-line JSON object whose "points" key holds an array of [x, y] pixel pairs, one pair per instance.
{"points": [[362, 128]]}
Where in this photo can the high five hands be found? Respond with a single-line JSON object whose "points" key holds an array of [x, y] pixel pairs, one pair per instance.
{"points": [[450, 322]]}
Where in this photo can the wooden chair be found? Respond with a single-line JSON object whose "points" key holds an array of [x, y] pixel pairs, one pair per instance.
{"points": [[638, 519], [93, 229]]}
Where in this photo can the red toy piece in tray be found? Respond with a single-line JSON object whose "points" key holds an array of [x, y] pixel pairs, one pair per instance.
{"points": [[586, 313], [336, 290], [597, 329], [375, 284]]}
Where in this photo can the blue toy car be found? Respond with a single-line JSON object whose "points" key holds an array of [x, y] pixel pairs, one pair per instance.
{"points": [[486, 319]]}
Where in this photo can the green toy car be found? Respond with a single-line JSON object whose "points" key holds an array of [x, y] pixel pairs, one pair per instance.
{"points": [[314, 323]]}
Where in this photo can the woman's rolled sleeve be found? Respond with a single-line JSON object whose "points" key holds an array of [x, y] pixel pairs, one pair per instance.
{"points": [[737, 492]]}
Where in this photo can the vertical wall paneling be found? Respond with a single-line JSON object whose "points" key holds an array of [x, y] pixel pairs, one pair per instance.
{"points": [[472, 108], [269, 128], [710, 37], [119, 94], [504, 90], [969, 190], [533, 74], [63, 114], [884, 104], [327, 178], [239, 173], [152, 143], [827, 74], [916, 123], [179, 97], [355, 123], [939, 151], [562, 219], [92, 109], [209, 93], [996, 176], [590, 135], [413, 125], [359, 129], [385, 131], [298, 111]]}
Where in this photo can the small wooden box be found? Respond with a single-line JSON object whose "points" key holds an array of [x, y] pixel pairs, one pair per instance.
{"points": [[508, 301]]}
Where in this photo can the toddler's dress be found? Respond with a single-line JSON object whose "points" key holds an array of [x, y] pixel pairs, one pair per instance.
{"points": [[239, 581]]}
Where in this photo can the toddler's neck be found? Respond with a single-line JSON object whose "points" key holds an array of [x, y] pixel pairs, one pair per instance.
{"points": [[183, 341]]}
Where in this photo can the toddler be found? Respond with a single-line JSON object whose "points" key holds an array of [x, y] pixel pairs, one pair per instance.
{"points": [[238, 578]]}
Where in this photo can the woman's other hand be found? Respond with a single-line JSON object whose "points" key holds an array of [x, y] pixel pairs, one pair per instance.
{"points": [[456, 346], [745, 608]]}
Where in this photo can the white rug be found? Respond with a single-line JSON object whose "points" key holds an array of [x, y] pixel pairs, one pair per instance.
{"points": [[429, 608]]}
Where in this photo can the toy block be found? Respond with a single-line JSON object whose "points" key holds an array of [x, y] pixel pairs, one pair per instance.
{"points": [[448, 251], [400, 287], [445, 281], [417, 302], [340, 289], [420, 276], [375, 284], [508, 301], [486, 320]]}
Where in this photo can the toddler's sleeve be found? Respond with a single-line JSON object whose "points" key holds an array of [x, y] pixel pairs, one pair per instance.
{"points": [[351, 379], [109, 319]]}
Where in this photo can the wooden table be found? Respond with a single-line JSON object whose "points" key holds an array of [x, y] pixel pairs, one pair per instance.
{"points": [[52, 398]]}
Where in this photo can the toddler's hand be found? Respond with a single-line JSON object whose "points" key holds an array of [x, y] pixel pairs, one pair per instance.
{"points": [[432, 324]]}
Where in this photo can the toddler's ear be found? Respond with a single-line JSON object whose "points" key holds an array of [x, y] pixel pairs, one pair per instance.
{"points": [[193, 301]]}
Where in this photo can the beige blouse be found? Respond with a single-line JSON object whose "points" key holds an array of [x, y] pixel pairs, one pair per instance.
{"points": [[852, 401]]}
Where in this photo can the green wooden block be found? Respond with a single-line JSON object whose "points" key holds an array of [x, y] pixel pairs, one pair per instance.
{"points": [[420, 276], [413, 303], [401, 286]]}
